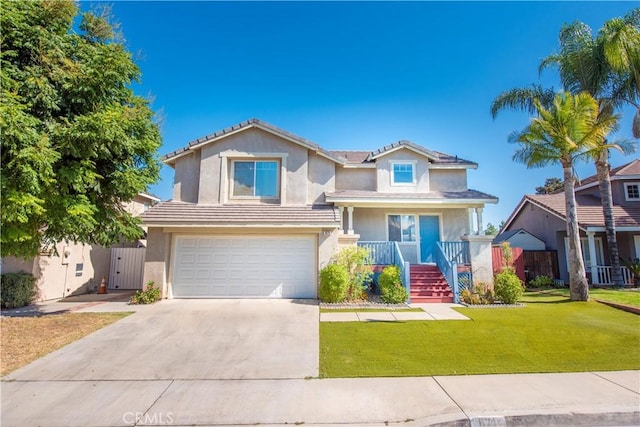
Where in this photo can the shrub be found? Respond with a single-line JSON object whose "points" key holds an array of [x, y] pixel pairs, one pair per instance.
{"points": [[392, 291], [541, 282], [508, 286], [18, 289], [480, 295], [334, 281], [148, 296], [356, 262]]}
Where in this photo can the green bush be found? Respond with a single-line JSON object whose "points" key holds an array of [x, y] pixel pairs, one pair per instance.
{"points": [[148, 296], [392, 291], [18, 289], [480, 295], [541, 282], [334, 281], [355, 260], [507, 286]]}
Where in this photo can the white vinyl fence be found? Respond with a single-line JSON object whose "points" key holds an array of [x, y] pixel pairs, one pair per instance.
{"points": [[127, 268]]}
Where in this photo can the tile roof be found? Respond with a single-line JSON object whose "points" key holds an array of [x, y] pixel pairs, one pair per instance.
{"points": [[589, 210], [181, 213], [342, 157], [431, 195], [631, 168], [245, 125]]}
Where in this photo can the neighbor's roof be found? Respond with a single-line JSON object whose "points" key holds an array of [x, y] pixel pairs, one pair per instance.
{"points": [[508, 234], [629, 170], [589, 210], [340, 157], [190, 214]]}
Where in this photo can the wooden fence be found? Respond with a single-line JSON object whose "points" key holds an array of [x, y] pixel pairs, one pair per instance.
{"points": [[528, 264]]}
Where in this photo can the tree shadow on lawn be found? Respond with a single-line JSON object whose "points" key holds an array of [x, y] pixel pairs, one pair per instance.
{"points": [[539, 298]]}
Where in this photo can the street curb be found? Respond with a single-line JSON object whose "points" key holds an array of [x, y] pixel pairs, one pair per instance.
{"points": [[546, 420]]}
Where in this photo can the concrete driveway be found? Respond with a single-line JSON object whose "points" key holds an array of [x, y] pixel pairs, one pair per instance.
{"points": [[193, 339]]}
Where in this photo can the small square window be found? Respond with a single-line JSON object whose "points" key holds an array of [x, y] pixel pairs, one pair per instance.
{"points": [[632, 191], [403, 173]]}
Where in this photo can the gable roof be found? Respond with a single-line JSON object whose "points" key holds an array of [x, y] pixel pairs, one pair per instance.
{"points": [[362, 158], [508, 234], [589, 210], [629, 170], [251, 123]]}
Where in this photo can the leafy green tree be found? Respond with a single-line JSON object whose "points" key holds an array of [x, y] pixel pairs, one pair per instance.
{"points": [[607, 67], [491, 230], [559, 135], [551, 185], [77, 142]]}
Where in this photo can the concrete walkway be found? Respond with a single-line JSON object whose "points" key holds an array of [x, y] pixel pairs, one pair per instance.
{"points": [[429, 312], [111, 302]]}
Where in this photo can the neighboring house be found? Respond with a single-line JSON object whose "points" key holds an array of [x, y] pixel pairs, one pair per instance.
{"points": [[545, 217], [258, 211], [78, 268]]}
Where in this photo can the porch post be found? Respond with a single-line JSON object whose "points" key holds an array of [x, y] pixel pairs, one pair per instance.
{"points": [[350, 219], [341, 210], [479, 219], [470, 220], [593, 260]]}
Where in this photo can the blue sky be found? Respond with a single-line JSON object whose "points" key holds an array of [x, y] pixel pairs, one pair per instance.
{"points": [[358, 75]]}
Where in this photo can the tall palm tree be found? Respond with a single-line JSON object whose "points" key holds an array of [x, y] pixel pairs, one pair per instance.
{"points": [[607, 67], [560, 134], [603, 67]]}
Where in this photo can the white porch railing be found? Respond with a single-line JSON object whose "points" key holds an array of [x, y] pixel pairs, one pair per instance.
{"points": [[602, 275]]}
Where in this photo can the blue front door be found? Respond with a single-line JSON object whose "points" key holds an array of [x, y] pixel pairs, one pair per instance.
{"points": [[429, 235]]}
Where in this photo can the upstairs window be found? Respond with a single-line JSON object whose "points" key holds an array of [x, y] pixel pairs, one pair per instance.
{"points": [[402, 228], [632, 191], [255, 178], [403, 174]]}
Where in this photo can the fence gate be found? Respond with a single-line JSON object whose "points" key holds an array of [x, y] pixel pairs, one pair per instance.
{"points": [[127, 268]]}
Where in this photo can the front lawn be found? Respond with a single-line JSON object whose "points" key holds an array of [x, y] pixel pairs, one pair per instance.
{"points": [[550, 334], [621, 296], [25, 339]]}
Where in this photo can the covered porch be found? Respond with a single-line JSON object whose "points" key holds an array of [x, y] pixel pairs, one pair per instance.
{"points": [[595, 252]]}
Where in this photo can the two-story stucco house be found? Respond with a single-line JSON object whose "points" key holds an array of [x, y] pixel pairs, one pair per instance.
{"points": [[258, 211]]}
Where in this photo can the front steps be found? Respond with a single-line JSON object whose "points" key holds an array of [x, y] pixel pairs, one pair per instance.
{"points": [[428, 285]]}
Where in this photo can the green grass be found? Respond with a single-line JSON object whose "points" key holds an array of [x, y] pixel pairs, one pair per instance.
{"points": [[621, 296], [550, 334], [368, 310]]}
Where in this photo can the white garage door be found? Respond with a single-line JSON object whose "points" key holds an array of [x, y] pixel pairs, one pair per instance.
{"points": [[241, 266]]}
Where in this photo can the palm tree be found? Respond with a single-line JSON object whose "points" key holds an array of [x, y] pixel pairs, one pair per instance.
{"points": [[603, 67], [607, 67], [560, 134]]}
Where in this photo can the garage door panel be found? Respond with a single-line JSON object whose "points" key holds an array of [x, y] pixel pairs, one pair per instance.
{"points": [[240, 266]]}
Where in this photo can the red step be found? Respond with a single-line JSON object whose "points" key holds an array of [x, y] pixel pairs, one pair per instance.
{"points": [[428, 285]]}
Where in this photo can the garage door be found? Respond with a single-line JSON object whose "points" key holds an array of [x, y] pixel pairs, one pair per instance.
{"points": [[241, 266]]}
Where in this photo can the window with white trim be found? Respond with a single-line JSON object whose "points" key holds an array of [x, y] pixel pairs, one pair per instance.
{"points": [[403, 173], [632, 191], [402, 228], [255, 178]]}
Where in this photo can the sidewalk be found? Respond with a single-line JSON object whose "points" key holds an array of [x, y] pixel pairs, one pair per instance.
{"points": [[571, 399], [113, 301], [429, 312]]}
